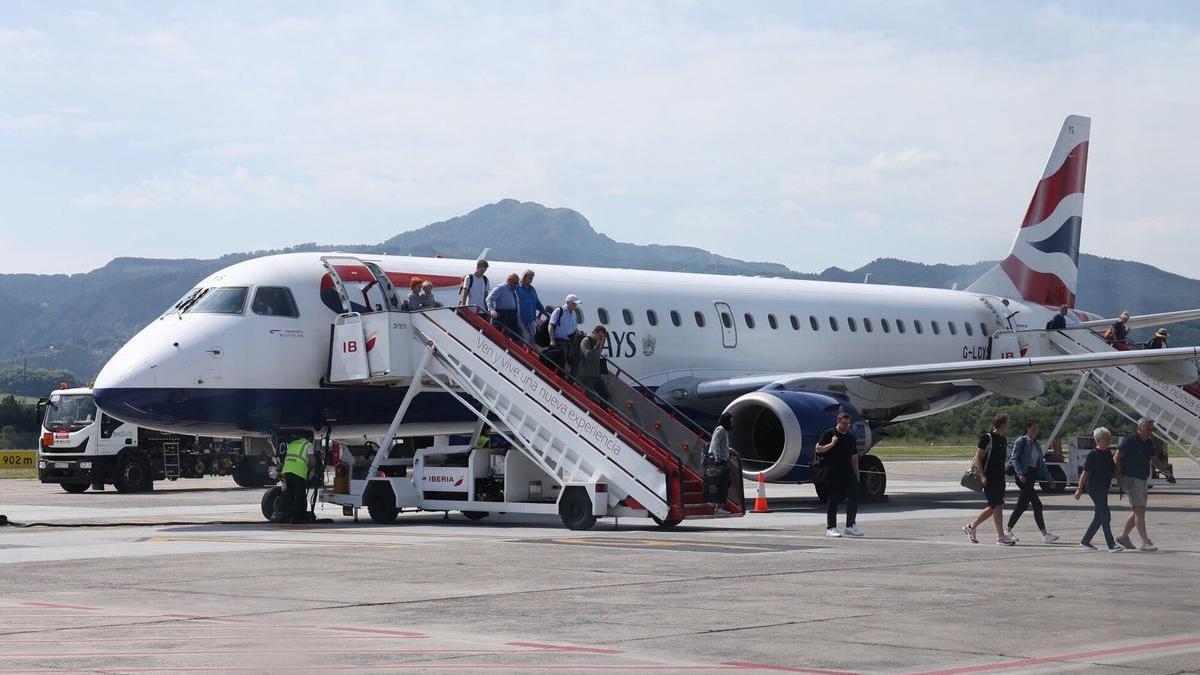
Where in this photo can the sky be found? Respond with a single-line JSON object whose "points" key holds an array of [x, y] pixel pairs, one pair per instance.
{"points": [[809, 134]]}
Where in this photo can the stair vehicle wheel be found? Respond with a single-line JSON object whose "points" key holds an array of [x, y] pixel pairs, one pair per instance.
{"points": [[1057, 483], [133, 474], [75, 488], [270, 501], [872, 478], [575, 509], [381, 504], [475, 515], [245, 474], [667, 524]]}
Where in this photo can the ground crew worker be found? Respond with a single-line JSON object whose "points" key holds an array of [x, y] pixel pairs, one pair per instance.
{"points": [[297, 463]]}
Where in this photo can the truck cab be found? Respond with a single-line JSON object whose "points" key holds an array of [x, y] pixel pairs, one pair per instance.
{"points": [[81, 447]]}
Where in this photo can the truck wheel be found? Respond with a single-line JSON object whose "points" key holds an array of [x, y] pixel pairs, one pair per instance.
{"points": [[244, 474], [1057, 482], [75, 488], [270, 501], [475, 515], [133, 474], [872, 479], [381, 504], [575, 509]]}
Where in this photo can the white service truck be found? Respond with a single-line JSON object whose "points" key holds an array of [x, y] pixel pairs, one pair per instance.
{"points": [[81, 447]]}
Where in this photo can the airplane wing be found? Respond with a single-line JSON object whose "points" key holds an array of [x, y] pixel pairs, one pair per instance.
{"points": [[1143, 320], [958, 371]]}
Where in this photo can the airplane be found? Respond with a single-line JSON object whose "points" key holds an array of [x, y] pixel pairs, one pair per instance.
{"points": [[245, 352]]}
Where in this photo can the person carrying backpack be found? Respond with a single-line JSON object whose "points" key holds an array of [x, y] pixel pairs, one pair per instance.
{"points": [[474, 289], [564, 334]]}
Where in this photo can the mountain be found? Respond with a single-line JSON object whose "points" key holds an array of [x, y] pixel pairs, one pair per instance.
{"points": [[77, 321]]}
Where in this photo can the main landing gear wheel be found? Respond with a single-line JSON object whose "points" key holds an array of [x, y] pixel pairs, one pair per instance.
{"points": [[872, 479], [75, 488], [665, 524], [133, 474], [475, 515], [270, 501], [575, 509]]}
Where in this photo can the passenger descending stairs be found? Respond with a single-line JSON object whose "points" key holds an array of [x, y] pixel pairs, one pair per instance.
{"points": [[1175, 411], [565, 431]]}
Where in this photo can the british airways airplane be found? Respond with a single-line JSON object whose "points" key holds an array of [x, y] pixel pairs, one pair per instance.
{"points": [[245, 353]]}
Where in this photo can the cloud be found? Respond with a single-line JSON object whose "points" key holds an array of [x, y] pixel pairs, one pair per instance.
{"points": [[904, 161], [239, 188]]}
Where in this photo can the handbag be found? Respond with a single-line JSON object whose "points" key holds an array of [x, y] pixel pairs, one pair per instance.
{"points": [[972, 480]]}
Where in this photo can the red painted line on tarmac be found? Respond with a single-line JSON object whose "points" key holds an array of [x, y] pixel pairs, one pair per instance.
{"points": [[372, 631], [641, 668], [750, 665], [165, 638], [1078, 656], [565, 648], [54, 605]]}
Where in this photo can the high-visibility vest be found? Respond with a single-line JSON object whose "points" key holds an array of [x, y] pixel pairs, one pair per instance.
{"points": [[295, 461]]}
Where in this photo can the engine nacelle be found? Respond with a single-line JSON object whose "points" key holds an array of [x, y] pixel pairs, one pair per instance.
{"points": [[775, 431]]}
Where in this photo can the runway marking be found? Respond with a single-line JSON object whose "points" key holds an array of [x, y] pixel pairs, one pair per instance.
{"points": [[566, 648], [1077, 656], [54, 605], [256, 540], [682, 545], [785, 669], [461, 667], [374, 631]]}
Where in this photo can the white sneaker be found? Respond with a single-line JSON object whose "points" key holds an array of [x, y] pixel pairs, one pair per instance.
{"points": [[1006, 541], [1116, 548], [719, 511], [1008, 534], [853, 531], [1050, 538], [832, 532], [1148, 548], [1088, 547], [971, 534]]}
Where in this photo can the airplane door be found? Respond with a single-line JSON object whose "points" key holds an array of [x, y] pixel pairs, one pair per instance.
{"points": [[728, 326]]}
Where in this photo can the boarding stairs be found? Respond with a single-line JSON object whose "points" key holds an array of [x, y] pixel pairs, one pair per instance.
{"points": [[644, 453], [1175, 410]]}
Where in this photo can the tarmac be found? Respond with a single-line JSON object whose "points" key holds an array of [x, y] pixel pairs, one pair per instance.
{"points": [[764, 593]]}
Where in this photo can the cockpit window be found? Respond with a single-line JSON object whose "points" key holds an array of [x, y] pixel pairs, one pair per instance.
{"points": [[186, 301], [274, 301], [227, 300]]}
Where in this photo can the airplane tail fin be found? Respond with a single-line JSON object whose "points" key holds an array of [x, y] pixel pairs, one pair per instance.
{"points": [[1043, 265]]}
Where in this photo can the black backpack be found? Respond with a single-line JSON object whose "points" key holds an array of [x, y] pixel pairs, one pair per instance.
{"points": [[541, 333]]}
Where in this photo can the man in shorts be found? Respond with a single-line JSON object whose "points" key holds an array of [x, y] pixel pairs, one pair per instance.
{"points": [[1133, 470]]}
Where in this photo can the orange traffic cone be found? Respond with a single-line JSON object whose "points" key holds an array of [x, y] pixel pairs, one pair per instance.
{"points": [[760, 501]]}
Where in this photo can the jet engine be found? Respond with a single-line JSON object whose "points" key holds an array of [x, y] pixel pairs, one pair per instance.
{"points": [[774, 431]]}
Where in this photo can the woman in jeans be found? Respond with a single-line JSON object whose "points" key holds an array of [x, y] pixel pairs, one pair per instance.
{"points": [[1098, 470], [1026, 460]]}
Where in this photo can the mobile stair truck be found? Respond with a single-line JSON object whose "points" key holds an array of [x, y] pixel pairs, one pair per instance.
{"points": [[81, 447], [567, 453]]}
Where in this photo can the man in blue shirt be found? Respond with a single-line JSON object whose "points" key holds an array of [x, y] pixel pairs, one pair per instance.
{"points": [[531, 306], [1133, 470], [503, 304]]}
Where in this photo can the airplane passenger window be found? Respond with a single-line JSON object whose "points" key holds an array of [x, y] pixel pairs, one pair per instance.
{"points": [[918, 327], [967, 327], [983, 328], [795, 322], [900, 326], [676, 320], [603, 314], [952, 327], [937, 330], [749, 320], [852, 324], [274, 301], [627, 316], [867, 325], [772, 322], [699, 316], [726, 320], [887, 327], [228, 300], [833, 324], [652, 317], [812, 321]]}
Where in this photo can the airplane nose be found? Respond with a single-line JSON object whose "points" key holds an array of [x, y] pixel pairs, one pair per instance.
{"points": [[128, 386]]}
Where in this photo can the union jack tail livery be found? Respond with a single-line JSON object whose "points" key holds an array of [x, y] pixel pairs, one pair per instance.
{"points": [[1043, 264]]}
